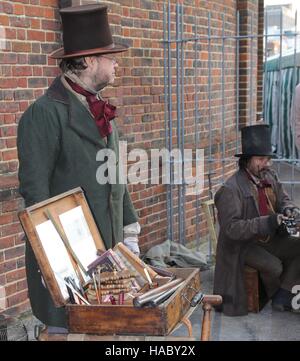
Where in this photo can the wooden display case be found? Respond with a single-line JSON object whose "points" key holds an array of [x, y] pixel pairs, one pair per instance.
{"points": [[105, 319]]}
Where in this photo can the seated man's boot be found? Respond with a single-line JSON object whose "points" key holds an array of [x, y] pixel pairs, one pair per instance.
{"points": [[282, 300]]}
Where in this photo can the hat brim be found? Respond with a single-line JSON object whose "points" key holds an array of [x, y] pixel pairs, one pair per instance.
{"points": [[255, 155], [116, 48]]}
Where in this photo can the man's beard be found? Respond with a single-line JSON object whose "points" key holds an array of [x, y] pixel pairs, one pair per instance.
{"points": [[262, 174]]}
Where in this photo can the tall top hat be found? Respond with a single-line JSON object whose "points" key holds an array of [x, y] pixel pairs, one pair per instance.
{"points": [[256, 141], [86, 32]]}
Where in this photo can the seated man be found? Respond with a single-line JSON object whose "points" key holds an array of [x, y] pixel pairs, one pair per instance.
{"points": [[251, 207]]}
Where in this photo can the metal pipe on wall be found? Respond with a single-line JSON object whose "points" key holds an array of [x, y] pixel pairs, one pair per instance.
{"points": [[166, 99], [223, 98], [170, 118], [179, 113], [293, 123], [237, 64], [183, 186], [197, 130]]}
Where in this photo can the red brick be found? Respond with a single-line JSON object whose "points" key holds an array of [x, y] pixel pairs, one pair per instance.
{"points": [[11, 229], [10, 289], [50, 37], [21, 47], [52, 3], [22, 83], [2, 279], [51, 25], [9, 154], [7, 266], [10, 206], [4, 20], [34, 11], [19, 309], [6, 218], [13, 166], [35, 23], [22, 285], [20, 239], [36, 35], [8, 131], [10, 33], [18, 9], [17, 298], [21, 34], [49, 13], [8, 83], [20, 22], [11, 142], [15, 275], [14, 252]]}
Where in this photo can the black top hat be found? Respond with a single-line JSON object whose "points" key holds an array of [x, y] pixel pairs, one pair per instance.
{"points": [[86, 32], [256, 141]]}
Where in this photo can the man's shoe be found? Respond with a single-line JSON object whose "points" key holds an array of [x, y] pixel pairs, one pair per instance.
{"points": [[280, 307], [282, 300]]}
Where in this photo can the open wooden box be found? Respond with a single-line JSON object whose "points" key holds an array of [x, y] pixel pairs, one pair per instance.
{"points": [[106, 319]]}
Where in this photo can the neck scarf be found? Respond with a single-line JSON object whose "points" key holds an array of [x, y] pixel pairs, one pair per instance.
{"points": [[102, 111], [264, 209]]}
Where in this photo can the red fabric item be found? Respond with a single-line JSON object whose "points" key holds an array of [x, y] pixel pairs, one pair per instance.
{"points": [[262, 198], [264, 209], [102, 111]]}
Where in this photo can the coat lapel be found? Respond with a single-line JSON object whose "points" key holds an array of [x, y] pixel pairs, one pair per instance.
{"points": [[80, 120], [83, 123], [245, 186]]}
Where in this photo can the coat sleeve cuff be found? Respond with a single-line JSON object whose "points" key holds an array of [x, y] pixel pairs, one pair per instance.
{"points": [[273, 223]]}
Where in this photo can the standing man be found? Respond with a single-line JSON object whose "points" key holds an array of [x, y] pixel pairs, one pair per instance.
{"points": [[59, 137], [251, 207]]}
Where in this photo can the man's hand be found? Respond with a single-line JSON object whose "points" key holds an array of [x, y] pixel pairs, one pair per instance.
{"points": [[280, 218], [131, 240], [132, 243]]}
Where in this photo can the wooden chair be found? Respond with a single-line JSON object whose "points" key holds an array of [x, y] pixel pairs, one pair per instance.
{"points": [[256, 295]]}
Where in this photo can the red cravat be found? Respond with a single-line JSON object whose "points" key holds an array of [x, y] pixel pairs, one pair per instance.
{"points": [[102, 111], [264, 209], [262, 198]]}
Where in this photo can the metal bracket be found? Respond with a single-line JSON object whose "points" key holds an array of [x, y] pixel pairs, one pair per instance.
{"points": [[197, 298]]}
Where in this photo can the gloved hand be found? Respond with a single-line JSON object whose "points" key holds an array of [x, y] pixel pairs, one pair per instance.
{"points": [[280, 218], [131, 240], [292, 212], [132, 243]]}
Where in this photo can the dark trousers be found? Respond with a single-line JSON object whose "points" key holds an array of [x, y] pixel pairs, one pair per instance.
{"points": [[278, 262]]}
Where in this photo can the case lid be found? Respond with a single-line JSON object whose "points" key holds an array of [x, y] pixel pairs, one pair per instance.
{"points": [[63, 235], [50, 223]]}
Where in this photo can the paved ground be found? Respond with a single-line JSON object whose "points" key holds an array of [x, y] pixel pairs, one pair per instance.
{"points": [[264, 326]]}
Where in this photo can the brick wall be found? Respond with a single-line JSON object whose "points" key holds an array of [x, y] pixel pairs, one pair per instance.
{"points": [[29, 30], [249, 22], [260, 60], [32, 30]]}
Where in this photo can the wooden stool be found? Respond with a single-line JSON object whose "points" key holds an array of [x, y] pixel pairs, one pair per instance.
{"points": [[256, 295]]}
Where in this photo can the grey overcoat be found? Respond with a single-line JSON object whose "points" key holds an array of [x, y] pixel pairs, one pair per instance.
{"points": [[240, 226]]}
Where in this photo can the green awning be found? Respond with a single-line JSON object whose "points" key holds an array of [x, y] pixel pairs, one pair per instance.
{"points": [[281, 80]]}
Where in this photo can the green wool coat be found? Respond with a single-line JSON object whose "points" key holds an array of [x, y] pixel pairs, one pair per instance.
{"points": [[57, 146]]}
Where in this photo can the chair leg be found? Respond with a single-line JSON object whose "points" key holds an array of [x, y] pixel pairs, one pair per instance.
{"points": [[188, 325], [206, 322]]}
